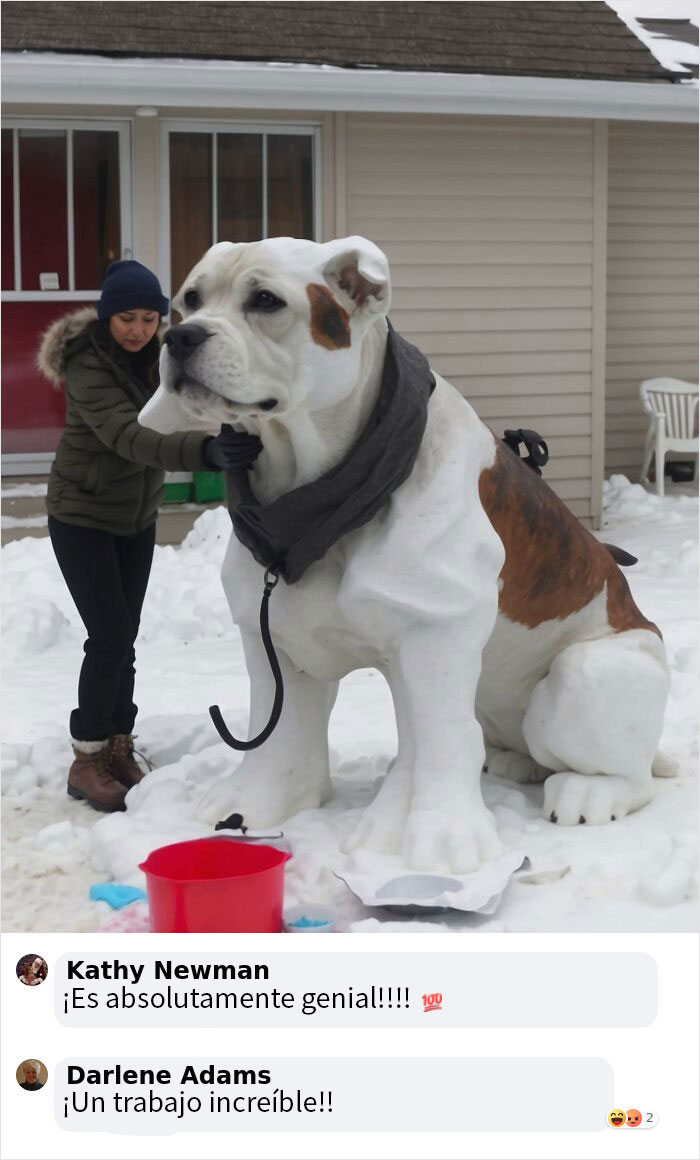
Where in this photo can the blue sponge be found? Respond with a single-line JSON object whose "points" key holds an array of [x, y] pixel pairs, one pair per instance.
{"points": [[116, 896]]}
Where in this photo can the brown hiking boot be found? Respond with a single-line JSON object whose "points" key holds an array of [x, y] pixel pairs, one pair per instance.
{"points": [[124, 764], [90, 779]]}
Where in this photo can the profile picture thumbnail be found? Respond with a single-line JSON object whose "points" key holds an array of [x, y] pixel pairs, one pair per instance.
{"points": [[32, 970], [31, 1075]]}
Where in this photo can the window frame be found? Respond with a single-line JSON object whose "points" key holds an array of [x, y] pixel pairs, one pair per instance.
{"points": [[69, 124], [260, 128]]}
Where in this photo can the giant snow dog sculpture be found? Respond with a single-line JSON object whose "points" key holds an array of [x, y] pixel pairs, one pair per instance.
{"points": [[492, 613]]}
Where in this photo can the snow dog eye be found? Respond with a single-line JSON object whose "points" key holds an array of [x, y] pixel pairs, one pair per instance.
{"points": [[264, 302]]}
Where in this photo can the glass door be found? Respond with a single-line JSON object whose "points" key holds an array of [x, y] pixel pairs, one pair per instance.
{"points": [[65, 217], [235, 183]]}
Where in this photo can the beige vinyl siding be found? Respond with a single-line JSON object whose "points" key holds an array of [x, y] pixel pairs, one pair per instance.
{"points": [[652, 303], [488, 227]]}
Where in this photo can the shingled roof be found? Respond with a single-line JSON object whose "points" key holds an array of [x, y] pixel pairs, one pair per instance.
{"points": [[569, 39]]}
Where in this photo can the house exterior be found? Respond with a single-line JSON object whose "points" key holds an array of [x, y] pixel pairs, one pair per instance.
{"points": [[530, 170]]}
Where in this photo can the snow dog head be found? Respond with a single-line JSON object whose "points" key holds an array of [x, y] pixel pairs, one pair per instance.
{"points": [[267, 326]]}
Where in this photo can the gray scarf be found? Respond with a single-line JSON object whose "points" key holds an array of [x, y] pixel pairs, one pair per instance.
{"points": [[298, 528]]}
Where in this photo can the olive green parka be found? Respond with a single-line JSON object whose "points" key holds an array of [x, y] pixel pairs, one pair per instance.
{"points": [[109, 470]]}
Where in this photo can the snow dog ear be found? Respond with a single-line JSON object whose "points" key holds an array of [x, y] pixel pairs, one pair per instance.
{"points": [[358, 272]]}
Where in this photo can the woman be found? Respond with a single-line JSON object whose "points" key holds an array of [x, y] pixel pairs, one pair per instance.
{"points": [[103, 495], [31, 1069]]}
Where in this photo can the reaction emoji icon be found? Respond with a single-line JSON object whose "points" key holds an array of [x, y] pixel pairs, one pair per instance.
{"points": [[634, 1118], [616, 1117]]}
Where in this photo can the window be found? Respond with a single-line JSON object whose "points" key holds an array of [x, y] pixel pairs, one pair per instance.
{"points": [[96, 205], [238, 185], [8, 212], [62, 208]]}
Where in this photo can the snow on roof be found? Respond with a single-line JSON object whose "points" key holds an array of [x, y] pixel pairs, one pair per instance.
{"points": [[669, 30]]}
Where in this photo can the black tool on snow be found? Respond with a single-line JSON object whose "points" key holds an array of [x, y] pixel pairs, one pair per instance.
{"points": [[232, 822], [537, 450]]}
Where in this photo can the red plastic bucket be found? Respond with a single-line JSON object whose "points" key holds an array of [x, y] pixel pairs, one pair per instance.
{"points": [[215, 884]]}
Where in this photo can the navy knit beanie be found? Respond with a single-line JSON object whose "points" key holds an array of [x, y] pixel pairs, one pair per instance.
{"points": [[130, 286]]}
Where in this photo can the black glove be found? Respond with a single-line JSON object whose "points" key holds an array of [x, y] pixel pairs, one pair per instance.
{"points": [[230, 449]]}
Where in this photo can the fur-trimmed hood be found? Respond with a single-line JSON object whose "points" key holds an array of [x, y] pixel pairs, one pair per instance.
{"points": [[51, 353], [54, 343]]}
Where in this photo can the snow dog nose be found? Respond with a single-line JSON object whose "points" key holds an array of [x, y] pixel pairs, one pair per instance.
{"points": [[182, 340]]}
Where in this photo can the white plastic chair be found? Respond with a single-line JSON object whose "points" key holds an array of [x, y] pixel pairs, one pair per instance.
{"points": [[672, 406]]}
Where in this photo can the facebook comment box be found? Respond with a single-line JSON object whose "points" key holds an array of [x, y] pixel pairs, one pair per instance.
{"points": [[332, 1095], [279, 989]]}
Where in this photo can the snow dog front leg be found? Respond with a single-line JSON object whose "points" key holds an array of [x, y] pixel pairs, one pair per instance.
{"points": [[288, 772], [449, 828], [446, 827]]}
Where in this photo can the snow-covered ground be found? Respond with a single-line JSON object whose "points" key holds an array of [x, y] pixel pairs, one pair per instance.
{"points": [[636, 874]]}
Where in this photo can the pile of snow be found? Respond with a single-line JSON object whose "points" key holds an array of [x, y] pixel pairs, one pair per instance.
{"points": [[637, 874], [194, 608]]}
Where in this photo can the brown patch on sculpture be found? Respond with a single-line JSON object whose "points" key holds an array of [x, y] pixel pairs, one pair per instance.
{"points": [[554, 566], [330, 324]]}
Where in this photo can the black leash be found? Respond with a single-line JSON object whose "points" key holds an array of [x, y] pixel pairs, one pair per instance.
{"points": [[271, 579]]}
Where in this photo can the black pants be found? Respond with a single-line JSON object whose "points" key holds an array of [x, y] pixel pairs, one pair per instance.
{"points": [[107, 577]]}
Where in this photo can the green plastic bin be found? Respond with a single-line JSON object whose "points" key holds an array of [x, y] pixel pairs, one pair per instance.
{"points": [[209, 486], [178, 487]]}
